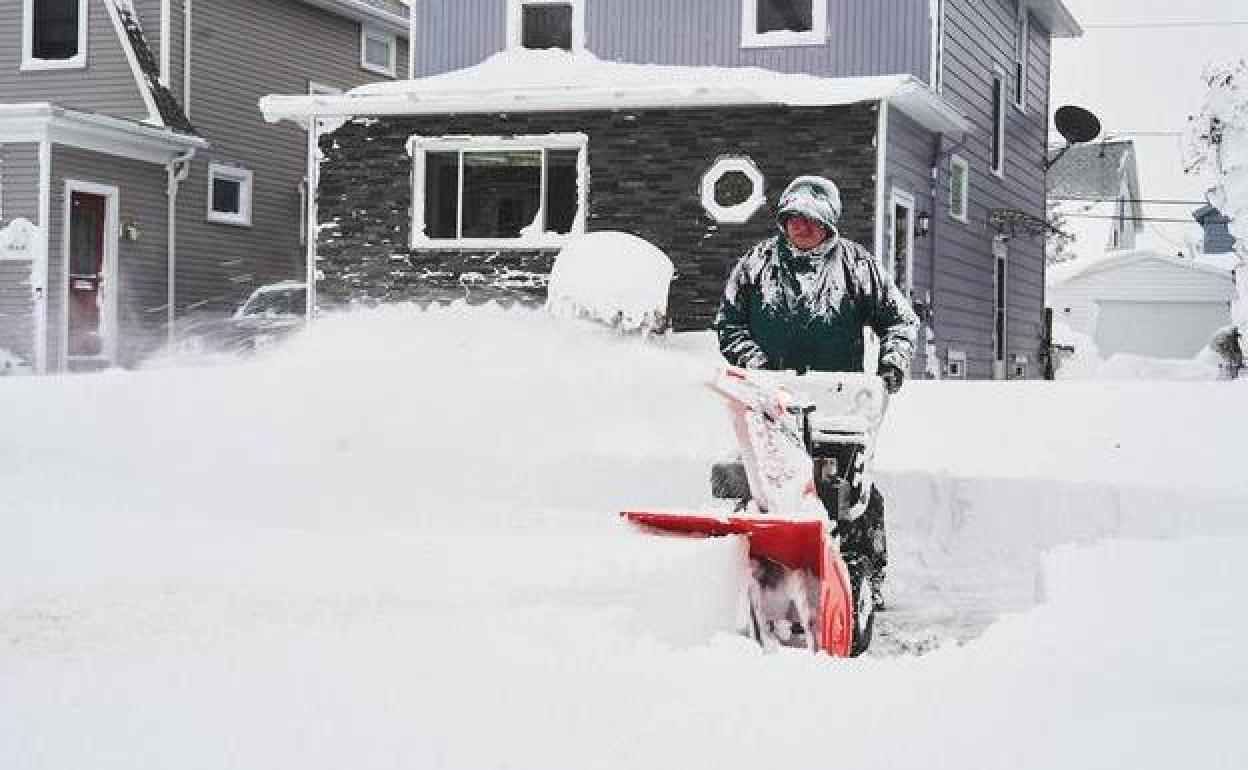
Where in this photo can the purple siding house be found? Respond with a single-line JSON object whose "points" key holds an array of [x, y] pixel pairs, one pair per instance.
{"points": [[138, 183], [932, 116]]}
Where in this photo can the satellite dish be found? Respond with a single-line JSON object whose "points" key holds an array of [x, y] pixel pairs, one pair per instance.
{"points": [[1077, 126]]}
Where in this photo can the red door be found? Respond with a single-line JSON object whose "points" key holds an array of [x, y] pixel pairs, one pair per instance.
{"points": [[86, 272]]}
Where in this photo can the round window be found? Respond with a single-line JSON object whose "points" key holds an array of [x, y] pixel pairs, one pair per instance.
{"points": [[732, 190]]}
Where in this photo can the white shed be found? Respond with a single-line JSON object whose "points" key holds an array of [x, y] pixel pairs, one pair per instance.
{"points": [[1142, 302]]}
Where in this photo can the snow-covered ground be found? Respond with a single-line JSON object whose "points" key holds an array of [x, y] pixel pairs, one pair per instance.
{"points": [[393, 543]]}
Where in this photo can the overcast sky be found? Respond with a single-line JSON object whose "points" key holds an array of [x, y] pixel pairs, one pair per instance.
{"points": [[1147, 79]]}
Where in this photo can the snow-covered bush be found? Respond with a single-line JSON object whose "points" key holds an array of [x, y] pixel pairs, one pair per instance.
{"points": [[1217, 147], [614, 278]]}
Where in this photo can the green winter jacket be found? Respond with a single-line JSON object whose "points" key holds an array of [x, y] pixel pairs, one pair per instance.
{"points": [[784, 310]]}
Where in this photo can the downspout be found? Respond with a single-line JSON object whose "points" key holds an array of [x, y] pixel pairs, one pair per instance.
{"points": [[178, 170], [42, 294], [881, 170], [186, 57], [314, 183], [411, 39]]}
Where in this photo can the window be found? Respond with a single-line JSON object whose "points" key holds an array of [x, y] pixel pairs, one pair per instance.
{"points": [[732, 190], [1021, 57], [378, 51], [541, 24], [900, 264], [1000, 307], [959, 188], [998, 123], [54, 34], [229, 195], [936, 11], [521, 192], [783, 22]]}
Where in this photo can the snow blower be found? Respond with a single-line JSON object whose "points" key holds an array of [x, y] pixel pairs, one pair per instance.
{"points": [[805, 443]]}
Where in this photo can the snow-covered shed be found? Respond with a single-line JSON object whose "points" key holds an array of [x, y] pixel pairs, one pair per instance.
{"points": [[1142, 302]]}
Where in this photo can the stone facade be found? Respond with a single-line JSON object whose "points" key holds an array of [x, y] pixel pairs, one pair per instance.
{"points": [[645, 171]]}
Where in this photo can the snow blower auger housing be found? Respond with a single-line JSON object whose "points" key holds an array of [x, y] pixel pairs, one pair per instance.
{"points": [[806, 443]]}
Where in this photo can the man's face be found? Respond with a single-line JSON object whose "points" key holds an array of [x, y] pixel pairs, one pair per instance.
{"points": [[805, 233]]}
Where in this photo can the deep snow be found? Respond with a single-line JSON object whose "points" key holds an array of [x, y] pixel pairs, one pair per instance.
{"points": [[393, 543]]}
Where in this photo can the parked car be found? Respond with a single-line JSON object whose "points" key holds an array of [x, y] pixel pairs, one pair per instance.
{"points": [[270, 314]]}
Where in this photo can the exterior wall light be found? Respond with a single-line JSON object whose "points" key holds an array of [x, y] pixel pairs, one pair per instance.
{"points": [[922, 224], [130, 230]]}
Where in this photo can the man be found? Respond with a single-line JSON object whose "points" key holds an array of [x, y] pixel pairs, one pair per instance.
{"points": [[801, 300]]}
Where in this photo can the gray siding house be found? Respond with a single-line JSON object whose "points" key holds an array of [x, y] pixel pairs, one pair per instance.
{"points": [[932, 115], [138, 182]]}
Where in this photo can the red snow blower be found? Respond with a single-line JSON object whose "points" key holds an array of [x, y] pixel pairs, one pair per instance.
{"points": [[805, 442]]}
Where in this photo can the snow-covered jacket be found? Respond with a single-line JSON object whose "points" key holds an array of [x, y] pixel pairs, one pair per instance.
{"points": [[788, 310]]}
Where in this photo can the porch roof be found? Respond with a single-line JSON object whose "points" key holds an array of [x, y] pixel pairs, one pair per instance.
{"points": [[557, 81], [34, 121]]}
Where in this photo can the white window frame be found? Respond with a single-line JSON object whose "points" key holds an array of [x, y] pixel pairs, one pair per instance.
{"points": [[936, 14], [898, 197], [245, 179], [390, 39], [1000, 307], [750, 38], [515, 22], [1022, 57], [741, 212], [418, 146], [30, 63], [957, 161], [999, 83]]}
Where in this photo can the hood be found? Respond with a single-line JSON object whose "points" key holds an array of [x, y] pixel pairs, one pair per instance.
{"points": [[814, 197]]}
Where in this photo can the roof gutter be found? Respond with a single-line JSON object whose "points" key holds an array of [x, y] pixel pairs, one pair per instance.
{"points": [[364, 13], [910, 96]]}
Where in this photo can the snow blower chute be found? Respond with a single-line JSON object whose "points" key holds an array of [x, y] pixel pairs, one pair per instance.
{"points": [[805, 444]]}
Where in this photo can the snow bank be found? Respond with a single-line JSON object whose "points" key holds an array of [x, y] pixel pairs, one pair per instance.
{"points": [[1086, 363], [397, 535], [616, 278]]}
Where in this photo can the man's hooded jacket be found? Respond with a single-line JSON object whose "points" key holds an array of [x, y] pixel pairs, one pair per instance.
{"points": [[788, 309]]}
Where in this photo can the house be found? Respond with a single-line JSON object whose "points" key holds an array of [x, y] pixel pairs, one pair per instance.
{"points": [[138, 183], [679, 122], [1216, 226], [1142, 302], [1095, 188]]}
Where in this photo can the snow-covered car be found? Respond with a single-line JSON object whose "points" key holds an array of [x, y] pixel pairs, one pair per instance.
{"points": [[270, 314]]}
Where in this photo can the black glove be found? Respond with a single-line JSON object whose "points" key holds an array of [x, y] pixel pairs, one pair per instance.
{"points": [[892, 376]]}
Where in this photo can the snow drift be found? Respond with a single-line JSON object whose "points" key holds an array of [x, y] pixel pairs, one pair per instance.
{"points": [[394, 543]]}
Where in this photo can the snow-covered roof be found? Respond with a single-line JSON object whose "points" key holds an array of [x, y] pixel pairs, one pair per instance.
{"points": [[1064, 273], [1094, 170], [1056, 17], [547, 81]]}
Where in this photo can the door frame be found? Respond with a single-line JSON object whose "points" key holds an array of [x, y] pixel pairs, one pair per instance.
{"points": [[898, 197], [108, 308]]}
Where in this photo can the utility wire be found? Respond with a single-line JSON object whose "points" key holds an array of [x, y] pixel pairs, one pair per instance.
{"points": [[1184, 24], [1158, 201], [1188, 221]]}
